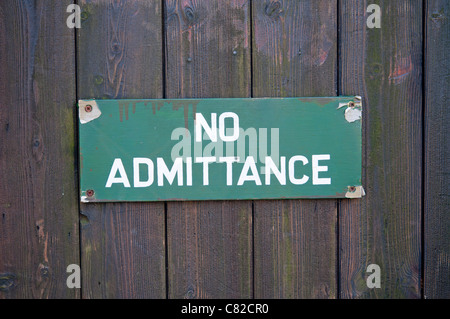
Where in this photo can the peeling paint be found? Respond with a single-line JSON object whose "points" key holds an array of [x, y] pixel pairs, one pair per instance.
{"points": [[85, 116], [355, 192], [353, 112]]}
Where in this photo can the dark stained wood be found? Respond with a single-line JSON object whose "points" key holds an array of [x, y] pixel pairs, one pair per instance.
{"points": [[120, 56], [302, 248], [295, 243], [38, 184], [384, 66], [208, 55], [294, 54], [437, 151], [123, 250], [210, 249]]}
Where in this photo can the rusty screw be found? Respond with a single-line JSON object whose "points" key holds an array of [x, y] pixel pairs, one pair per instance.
{"points": [[351, 104], [88, 108], [90, 193], [352, 189]]}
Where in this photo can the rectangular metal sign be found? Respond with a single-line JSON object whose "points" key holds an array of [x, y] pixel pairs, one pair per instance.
{"points": [[220, 149]]}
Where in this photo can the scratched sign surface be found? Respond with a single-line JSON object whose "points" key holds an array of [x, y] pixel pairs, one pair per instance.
{"points": [[220, 149]]}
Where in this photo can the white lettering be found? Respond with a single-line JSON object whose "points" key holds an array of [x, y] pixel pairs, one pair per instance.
{"points": [[205, 161], [177, 169], [222, 135], [112, 179], [316, 169], [279, 174], [249, 165], [200, 122], [229, 160], [136, 165], [297, 181]]}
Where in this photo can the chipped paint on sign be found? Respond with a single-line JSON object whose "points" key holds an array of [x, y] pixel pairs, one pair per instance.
{"points": [[355, 192], [88, 111], [353, 112]]}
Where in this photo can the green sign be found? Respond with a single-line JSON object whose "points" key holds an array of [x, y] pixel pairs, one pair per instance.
{"points": [[211, 149]]}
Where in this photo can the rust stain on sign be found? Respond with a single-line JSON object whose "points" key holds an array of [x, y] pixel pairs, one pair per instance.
{"points": [[157, 105], [176, 105], [88, 111]]}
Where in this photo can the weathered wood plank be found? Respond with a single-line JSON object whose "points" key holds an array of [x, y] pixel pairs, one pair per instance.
{"points": [[208, 55], [123, 250], [294, 54], [295, 244], [210, 249], [120, 56], [38, 184], [384, 66], [437, 151]]}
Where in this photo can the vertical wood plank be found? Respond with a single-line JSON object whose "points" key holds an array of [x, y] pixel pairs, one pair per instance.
{"points": [[38, 184], [120, 56], [209, 242], [294, 54], [210, 249], [384, 66], [437, 151]]}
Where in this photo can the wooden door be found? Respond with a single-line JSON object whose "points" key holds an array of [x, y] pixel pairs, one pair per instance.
{"points": [[225, 249]]}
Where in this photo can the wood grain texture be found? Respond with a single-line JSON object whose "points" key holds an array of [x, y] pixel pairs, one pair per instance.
{"points": [[437, 151], [384, 66], [207, 48], [295, 243], [38, 184], [208, 55], [120, 56], [294, 54], [123, 250], [210, 249]]}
